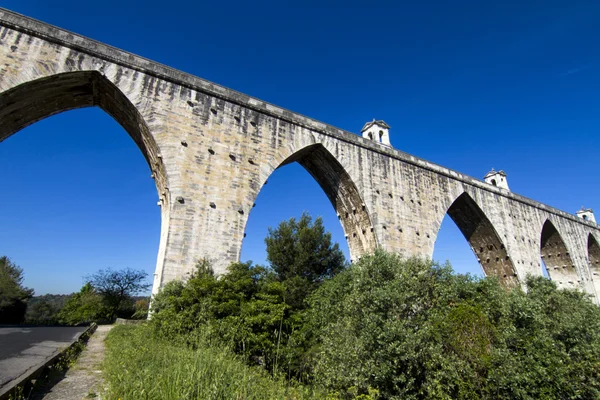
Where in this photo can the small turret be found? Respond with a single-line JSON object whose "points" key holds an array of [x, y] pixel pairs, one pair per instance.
{"points": [[497, 178], [586, 214], [377, 131]]}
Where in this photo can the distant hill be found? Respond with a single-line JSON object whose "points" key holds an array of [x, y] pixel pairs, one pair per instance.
{"points": [[57, 301], [43, 309]]}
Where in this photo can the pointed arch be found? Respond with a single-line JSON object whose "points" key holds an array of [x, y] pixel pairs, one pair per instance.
{"points": [[594, 260], [556, 257], [343, 195], [35, 100], [483, 239]]}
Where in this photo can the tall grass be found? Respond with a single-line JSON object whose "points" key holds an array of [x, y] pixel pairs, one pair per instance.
{"points": [[140, 366]]}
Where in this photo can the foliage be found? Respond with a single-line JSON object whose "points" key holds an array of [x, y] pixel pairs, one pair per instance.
{"points": [[139, 365], [84, 307], [117, 288], [41, 313], [13, 295], [302, 255], [256, 311], [413, 330], [243, 310], [387, 327], [43, 310], [141, 307]]}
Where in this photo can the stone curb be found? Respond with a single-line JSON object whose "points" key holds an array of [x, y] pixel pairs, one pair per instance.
{"points": [[35, 371]]}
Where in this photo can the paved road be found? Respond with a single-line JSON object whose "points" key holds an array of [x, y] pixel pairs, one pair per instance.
{"points": [[23, 348]]}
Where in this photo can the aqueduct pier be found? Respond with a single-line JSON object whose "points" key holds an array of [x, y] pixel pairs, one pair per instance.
{"points": [[211, 149]]}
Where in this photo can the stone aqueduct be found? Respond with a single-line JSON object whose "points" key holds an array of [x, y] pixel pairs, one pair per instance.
{"points": [[211, 149]]}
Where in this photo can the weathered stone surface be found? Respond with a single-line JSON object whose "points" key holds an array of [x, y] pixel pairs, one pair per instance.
{"points": [[211, 149]]}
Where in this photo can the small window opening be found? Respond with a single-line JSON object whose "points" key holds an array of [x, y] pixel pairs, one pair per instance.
{"points": [[381, 136], [494, 182], [370, 136], [585, 217]]}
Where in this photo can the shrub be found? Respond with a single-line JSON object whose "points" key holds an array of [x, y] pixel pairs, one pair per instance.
{"points": [[411, 329], [83, 307]]}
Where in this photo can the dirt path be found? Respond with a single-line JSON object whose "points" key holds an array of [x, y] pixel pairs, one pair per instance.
{"points": [[84, 379]]}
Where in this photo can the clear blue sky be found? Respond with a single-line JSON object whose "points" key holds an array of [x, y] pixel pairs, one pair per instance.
{"points": [[470, 85]]}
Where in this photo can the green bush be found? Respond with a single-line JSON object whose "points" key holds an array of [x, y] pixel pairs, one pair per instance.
{"points": [[258, 312], [413, 330], [83, 307], [243, 310]]}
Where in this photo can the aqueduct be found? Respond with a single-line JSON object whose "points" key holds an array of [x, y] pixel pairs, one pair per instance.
{"points": [[211, 149]]}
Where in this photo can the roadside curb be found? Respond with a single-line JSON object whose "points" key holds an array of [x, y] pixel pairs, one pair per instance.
{"points": [[32, 373]]}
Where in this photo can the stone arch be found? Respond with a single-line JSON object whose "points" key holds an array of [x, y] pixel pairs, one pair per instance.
{"points": [[556, 256], [35, 100], [483, 239], [343, 195], [594, 260]]}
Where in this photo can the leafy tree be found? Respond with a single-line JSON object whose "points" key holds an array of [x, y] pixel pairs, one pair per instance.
{"points": [[303, 249], [302, 255], [41, 313], [257, 311], [84, 307], [117, 288], [13, 295]]}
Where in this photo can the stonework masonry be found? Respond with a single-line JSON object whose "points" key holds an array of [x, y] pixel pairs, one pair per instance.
{"points": [[211, 149]]}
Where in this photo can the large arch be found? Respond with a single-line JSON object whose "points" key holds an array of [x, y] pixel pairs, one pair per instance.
{"points": [[594, 260], [483, 239], [343, 195], [556, 256], [35, 100], [32, 101]]}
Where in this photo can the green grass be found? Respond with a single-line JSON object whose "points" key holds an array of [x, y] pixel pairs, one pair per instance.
{"points": [[140, 366]]}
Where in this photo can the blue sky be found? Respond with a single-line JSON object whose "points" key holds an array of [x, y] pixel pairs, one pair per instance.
{"points": [[470, 85]]}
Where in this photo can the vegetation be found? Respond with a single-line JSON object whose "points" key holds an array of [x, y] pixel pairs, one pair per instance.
{"points": [[117, 289], [43, 310], [106, 295], [13, 295], [302, 256], [139, 365], [419, 331], [84, 307], [258, 312], [309, 326], [388, 327]]}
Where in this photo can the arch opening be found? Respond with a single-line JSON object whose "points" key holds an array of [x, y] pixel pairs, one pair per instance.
{"points": [[483, 239], [594, 260], [30, 102], [450, 245], [84, 201], [556, 257], [343, 195]]}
